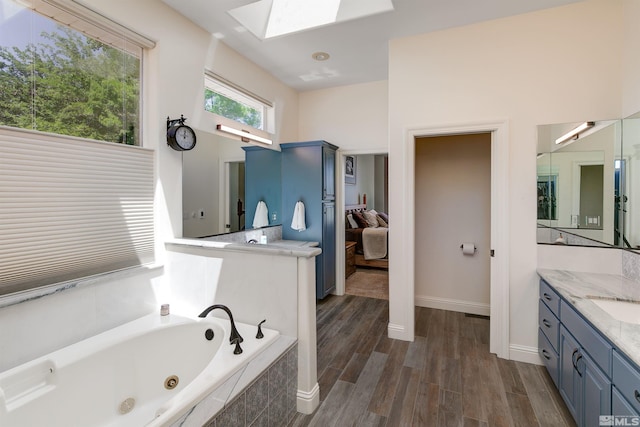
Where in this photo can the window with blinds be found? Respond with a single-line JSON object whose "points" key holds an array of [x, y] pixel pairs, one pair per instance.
{"points": [[72, 205], [71, 208]]}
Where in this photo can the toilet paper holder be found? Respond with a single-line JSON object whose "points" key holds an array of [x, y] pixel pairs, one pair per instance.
{"points": [[475, 249]]}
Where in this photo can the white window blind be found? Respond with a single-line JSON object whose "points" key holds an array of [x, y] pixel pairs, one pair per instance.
{"points": [[86, 20], [71, 208]]}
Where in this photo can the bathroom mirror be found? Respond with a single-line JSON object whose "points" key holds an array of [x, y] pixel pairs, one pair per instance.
{"points": [[629, 171], [577, 184], [212, 186]]}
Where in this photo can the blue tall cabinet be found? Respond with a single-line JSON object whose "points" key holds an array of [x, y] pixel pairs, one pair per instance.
{"points": [[301, 171], [308, 175]]}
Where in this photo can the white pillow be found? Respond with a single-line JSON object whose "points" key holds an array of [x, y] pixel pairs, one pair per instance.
{"points": [[371, 218], [352, 222]]}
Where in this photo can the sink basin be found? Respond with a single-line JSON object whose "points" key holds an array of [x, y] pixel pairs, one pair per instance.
{"points": [[625, 311]]}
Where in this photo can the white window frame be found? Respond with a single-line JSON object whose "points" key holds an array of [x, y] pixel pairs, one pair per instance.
{"points": [[224, 87]]}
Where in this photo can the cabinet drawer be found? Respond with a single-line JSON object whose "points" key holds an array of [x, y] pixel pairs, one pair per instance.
{"points": [[549, 324], [590, 340], [549, 356], [627, 379], [619, 405], [550, 297]]}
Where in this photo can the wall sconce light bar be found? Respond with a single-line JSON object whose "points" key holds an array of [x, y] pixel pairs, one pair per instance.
{"points": [[243, 134], [574, 133]]}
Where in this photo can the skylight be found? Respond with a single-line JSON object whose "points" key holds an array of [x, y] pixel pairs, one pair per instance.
{"points": [[272, 18]]}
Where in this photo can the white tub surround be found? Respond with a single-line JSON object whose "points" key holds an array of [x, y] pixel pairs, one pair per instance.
{"points": [[43, 320], [579, 289], [274, 281], [147, 372]]}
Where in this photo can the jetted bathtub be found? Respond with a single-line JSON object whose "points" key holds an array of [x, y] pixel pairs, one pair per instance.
{"points": [[148, 372]]}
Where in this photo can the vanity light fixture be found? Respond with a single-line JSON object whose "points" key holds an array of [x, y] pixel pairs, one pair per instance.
{"points": [[243, 134], [574, 133]]}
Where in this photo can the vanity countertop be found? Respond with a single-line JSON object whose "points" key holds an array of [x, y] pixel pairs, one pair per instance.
{"points": [[579, 289], [295, 248]]}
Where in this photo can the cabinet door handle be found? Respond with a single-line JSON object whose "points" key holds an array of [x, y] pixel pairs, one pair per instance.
{"points": [[547, 296], [573, 358], [577, 367], [545, 353], [636, 394], [546, 323]]}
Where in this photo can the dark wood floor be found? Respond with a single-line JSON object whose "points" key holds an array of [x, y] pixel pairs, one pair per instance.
{"points": [[446, 377]]}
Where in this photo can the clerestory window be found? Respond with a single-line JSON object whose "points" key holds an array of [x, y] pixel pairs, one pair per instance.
{"points": [[225, 99]]}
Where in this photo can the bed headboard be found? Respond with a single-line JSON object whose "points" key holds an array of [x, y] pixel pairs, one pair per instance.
{"points": [[355, 208]]}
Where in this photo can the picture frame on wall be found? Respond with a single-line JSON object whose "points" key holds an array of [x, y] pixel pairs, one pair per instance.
{"points": [[350, 170]]}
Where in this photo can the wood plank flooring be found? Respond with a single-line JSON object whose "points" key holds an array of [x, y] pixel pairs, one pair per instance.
{"points": [[446, 377]]}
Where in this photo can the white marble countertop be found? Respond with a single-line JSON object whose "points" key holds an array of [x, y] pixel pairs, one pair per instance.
{"points": [[295, 248], [577, 288]]}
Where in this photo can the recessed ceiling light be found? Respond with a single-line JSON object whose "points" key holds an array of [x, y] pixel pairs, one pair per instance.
{"points": [[320, 56]]}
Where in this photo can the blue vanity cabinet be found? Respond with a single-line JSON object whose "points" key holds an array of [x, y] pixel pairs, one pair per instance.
{"points": [[583, 368], [308, 175], [262, 182]]}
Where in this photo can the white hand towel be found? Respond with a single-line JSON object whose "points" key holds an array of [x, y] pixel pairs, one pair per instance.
{"points": [[261, 217], [298, 221]]}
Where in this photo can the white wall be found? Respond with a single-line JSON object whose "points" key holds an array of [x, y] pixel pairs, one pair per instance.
{"points": [[528, 70], [453, 206]]}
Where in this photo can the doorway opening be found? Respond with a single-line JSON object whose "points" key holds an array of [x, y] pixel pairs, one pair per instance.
{"points": [[402, 296], [233, 199], [362, 233], [453, 222]]}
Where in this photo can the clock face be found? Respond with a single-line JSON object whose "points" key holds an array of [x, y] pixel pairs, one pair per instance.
{"points": [[181, 138], [185, 137]]}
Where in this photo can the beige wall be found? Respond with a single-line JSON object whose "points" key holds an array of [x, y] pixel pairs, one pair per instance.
{"points": [[556, 65], [453, 205], [351, 117]]}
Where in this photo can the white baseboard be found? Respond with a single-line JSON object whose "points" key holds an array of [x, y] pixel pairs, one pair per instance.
{"points": [[397, 332], [523, 353], [308, 401], [453, 305]]}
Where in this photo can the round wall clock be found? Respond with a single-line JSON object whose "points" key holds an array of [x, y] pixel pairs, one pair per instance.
{"points": [[180, 137]]}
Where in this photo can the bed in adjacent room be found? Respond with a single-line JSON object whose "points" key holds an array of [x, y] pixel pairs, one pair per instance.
{"points": [[370, 230]]}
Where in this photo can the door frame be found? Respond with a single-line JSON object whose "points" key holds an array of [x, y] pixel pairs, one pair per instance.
{"points": [[499, 300]]}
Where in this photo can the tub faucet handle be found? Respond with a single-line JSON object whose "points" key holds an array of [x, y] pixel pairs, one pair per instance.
{"points": [[238, 349], [260, 335]]}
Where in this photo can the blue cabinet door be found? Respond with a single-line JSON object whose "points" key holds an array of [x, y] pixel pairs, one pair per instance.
{"points": [[327, 267], [328, 174], [596, 393], [570, 380]]}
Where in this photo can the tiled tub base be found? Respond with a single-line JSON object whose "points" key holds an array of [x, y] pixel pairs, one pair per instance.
{"points": [[270, 400]]}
